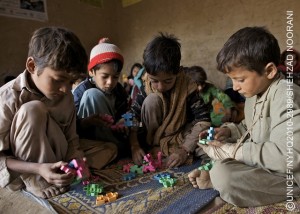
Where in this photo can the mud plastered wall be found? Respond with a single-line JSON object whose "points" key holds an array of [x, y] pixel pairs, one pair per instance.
{"points": [[201, 25]]}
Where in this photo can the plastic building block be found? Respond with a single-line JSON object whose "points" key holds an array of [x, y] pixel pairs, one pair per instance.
{"points": [[68, 169], [112, 196], [211, 133], [109, 197], [101, 199], [82, 170], [167, 182], [129, 176], [92, 179], [210, 136], [126, 167], [206, 166], [149, 168], [162, 175], [148, 160], [136, 169], [148, 164], [129, 120], [86, 182], [93, 189], [78, 168], [203, 141]]}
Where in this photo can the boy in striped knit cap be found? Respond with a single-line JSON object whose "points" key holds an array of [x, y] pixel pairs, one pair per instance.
{"points": [[101, 94]]}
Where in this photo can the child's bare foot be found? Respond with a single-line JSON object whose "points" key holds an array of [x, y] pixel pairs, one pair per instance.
{"points": [[200, 179], [192, 177], [52, 191], [41, 188], [203, 182], [47, 192]]}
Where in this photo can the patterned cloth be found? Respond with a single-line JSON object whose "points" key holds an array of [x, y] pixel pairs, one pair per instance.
{"points": [[143, 194]]}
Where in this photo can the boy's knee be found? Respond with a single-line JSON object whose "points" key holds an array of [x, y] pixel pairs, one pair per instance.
{"points": [[113, 148], [35, 110], [221, 176], [93, 93]]}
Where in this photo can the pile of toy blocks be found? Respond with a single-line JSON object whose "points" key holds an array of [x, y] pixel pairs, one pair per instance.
{"points": [[78, 168], [165, 179], [149, 165]]}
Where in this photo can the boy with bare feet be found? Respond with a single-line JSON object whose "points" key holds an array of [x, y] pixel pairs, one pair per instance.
{"points": [[262, 164], [38, 117]]}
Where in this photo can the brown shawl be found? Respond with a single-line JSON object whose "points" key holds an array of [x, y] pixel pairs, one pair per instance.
{"points": [[169, 135]]}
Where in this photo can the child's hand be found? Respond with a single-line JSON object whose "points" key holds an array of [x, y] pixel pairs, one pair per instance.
{"points": [[51, 173], [225, 150], [215, 143], [222, 134], [96, 120], [203, 134], [106, 119], [177, 158], [120, 127], [137, 154]]}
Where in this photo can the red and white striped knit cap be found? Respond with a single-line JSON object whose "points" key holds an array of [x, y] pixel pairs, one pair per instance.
{"points": [[104, 52]]}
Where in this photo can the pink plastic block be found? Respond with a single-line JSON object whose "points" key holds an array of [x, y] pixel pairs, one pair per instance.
{"points": [[149, 168], [107, 118], [155, 163], [148, 158], [68, 169], [82, 171], [126, 167]]}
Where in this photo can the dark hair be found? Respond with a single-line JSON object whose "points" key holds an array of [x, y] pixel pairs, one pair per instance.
{"points": [[250, 47], [197, 74], [117, 64], [138, 65], [59, 49], [162, 54]]}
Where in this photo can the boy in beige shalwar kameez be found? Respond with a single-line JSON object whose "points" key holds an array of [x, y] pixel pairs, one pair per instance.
{"points": [[262, 166], [38, 118]]}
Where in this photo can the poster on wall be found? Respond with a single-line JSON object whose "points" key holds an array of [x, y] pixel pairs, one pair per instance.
{"points": [[25, 9]]}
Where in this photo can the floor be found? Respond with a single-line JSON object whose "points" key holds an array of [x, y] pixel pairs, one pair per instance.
{"points": [[17, 203]]}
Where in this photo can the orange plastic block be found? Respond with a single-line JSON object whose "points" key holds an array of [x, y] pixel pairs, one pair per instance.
{"points": [[112, 196], [109, 197]]}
